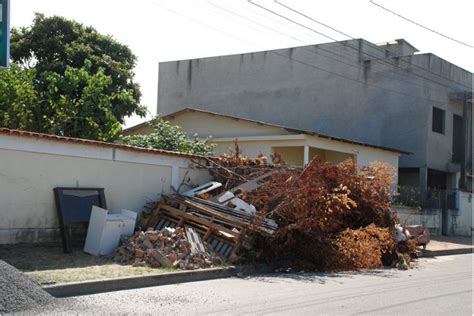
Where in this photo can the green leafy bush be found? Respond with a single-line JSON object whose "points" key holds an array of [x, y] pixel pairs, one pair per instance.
{"points": [[167, 136]]}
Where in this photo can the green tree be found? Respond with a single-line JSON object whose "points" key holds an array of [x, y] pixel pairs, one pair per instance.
{"points": [[72, 104], [82, 79], [170, 137], [78, 104], [18, 99]]}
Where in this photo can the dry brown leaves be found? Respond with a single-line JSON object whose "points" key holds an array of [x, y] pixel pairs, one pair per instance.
{"points": [[361, 248], [330, 216]]}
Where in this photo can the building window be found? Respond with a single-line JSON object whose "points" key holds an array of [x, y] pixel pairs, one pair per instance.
{"points": [[458, 139], [438, 120]]}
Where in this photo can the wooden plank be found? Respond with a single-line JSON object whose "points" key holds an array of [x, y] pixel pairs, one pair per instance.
{"points": [[153, 218], [199, 220], [211, 212], [207, 234], [194, 239]]}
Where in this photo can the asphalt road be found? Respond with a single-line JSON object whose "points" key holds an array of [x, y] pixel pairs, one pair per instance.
{"points": [[439, 286]]}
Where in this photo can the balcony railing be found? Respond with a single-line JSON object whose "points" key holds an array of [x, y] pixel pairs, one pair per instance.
{"points": [[429, 198]]}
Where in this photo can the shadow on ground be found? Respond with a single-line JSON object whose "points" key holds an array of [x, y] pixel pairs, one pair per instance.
{"points": [[318, 277]]}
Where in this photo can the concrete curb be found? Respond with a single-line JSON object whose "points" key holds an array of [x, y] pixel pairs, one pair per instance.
{"points": [[135, 282], [447, 252]]}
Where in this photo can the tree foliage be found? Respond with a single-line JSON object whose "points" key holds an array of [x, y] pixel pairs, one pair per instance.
{"points": [[18, 99], [78, 81], [167, 136], [72, 104]]}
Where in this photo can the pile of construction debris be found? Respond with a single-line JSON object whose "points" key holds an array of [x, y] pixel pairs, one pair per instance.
{"points": [[320, 217], [216, 223], [166, 248]]}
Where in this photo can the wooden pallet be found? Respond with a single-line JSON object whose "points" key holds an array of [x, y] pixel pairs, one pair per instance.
{"points": [[212, 227]]}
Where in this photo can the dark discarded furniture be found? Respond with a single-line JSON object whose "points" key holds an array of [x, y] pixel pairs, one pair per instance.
{"points": [[74, 206], [420, 234]]}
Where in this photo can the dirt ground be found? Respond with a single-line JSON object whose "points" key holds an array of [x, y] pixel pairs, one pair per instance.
{"points": [[49, 265]]}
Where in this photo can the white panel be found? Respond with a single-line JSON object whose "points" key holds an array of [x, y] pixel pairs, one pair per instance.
{"points": [[95, 230]]}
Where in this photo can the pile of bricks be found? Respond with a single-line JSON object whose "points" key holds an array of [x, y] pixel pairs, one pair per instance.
{"points": [[166, 248]]}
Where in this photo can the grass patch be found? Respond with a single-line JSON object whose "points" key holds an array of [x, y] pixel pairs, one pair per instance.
{"points": [[49, 265]]}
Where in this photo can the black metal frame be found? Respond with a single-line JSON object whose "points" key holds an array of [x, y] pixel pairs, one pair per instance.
{"points": [[64, 222]]}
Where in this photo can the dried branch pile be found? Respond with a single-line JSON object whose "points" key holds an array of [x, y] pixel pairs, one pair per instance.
{"points": [[330, 216], [233, 169]]}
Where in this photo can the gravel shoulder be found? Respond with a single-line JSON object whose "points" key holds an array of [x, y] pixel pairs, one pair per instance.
{"points": [[18, 292]]}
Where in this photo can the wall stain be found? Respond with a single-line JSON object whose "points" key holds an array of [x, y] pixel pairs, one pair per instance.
{"points": [[190, 73], [367, 65]]}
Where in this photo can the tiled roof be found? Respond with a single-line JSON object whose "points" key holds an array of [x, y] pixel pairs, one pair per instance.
{"points": [[64, 139]]}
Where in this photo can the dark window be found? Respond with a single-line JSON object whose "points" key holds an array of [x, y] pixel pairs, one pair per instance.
{"points": [[437, 179], [458, 139], [438, 120]]}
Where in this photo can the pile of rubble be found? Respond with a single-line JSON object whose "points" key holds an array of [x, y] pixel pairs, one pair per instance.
{"points": [[168, 247], [320, 217]]}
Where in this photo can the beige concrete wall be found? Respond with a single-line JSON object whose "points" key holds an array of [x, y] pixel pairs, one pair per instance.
{"points": [[30, 168], [144, 129], [291, 155], [205, 124]]}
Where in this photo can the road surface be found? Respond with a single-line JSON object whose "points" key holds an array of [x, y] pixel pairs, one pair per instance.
{"points": [[439, 286]]}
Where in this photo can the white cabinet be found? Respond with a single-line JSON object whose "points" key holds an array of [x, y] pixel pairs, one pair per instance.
{"points": [[104, 231]]}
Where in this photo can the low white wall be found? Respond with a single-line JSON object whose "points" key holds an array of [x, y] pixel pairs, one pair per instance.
{"points": [[31, 167], [459, 222], [414, 216], [462, 220]]}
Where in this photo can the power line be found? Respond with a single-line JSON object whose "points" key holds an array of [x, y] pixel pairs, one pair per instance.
{"points": [[376, 47], [195, 21], [356, 49], [308, 17], [420, 25], [292, 21], [332, 53], [257, 23], [308, 64]]}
